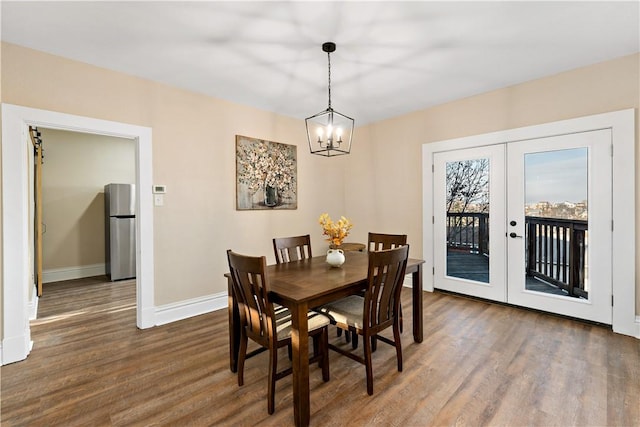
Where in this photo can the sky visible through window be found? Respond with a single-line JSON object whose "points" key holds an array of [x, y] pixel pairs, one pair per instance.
{"points": [[556, 176]]}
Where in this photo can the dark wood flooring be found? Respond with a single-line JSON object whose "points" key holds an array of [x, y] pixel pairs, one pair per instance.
{"points": [[480, 364]]}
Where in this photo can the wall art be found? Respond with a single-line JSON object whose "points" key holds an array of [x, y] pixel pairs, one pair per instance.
{"points": [[266, 174]]}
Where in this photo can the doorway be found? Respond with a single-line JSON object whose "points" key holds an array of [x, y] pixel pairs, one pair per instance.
{"points": [[74, 174], [528, 223], [17, 280], [505, 279]]}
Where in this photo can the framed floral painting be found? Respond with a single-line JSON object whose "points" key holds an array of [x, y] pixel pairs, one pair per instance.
{"points": [[266, 174]]}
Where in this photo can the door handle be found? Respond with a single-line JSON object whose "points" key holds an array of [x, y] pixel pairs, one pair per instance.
{"points": [[514, 235]]}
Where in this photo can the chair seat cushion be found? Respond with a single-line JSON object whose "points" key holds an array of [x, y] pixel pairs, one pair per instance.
{"points": [[348, 310], [283, 322]]}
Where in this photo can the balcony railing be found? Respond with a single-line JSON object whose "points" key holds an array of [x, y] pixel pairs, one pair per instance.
{"points": [[468, 231], [556, 249]]}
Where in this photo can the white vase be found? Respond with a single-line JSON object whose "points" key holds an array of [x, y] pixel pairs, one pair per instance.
{"points": [[335, 257]]}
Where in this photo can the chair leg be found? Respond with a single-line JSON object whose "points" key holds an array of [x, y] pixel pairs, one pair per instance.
{"points": [[324, 348], [354, 339], [367, 363], [271, 393], [374, 343], [398, 344], [401, 322], [242, 354]]}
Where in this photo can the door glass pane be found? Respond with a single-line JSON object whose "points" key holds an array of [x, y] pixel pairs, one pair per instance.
{"points": [[556, 222], [467, 207]]}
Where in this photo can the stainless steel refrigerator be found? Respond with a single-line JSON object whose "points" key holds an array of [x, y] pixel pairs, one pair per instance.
{"points": [[120, 227]]}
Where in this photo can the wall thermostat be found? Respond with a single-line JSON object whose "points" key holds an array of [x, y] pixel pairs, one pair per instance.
{"points": [[159, 189]]}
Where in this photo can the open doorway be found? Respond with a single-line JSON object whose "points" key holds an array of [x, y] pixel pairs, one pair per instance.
{"points": [[17, 280], [71, 194], [76, 168]]}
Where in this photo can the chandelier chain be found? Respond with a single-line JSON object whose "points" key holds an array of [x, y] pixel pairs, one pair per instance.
{"points": [[329, 61]]}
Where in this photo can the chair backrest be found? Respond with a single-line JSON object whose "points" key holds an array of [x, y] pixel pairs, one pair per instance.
{"points": [[251, 289], [380, 241], [287, 249], [384, 282]]}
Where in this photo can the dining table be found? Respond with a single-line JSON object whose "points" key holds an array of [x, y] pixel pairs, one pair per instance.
{"points": [[308, 283]]}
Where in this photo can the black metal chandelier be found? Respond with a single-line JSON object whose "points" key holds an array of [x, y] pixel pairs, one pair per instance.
{"points": [[329, 132]]}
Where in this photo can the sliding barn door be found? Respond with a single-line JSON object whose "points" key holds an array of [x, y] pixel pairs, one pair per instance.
{"points": [[37, 190]]}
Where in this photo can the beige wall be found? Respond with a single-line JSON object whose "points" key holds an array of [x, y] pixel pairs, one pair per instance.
{"points": [[75, 170], [194, 156], [387, 157], [378, 186]]}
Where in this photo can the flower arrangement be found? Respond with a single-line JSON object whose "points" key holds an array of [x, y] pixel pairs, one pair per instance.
{"points": [[267, 164], [335, 231]]}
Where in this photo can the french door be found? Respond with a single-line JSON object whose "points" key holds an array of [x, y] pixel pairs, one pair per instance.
{"points": [[469, 223], [528, 223]]}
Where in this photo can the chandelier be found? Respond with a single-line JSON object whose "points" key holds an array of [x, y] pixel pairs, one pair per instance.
{"points": [[329, 132]]}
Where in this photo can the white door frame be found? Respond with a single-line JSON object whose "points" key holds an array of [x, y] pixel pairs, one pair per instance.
{"points": [[622, 125], [16, 337]]}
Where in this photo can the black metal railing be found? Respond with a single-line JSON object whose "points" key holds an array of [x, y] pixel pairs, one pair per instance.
{"points": [[557, 252], [468, 231], [556, 249]]}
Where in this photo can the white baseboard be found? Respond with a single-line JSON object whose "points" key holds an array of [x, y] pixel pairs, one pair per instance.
{"points": [[33, 305], [15, 349], [189, 308], [69, 273]]}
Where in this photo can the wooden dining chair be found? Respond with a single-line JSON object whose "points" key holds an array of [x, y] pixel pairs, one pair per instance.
{"points": [[376, 242], [377, 310], [379, 241], [268, 327], [287, 249]]}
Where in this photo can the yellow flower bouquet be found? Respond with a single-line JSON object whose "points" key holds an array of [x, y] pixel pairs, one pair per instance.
{"points": [[335, 231]]}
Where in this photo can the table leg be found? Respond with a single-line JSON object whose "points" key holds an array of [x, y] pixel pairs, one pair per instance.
{"points": [[417, 304], [234, 327], [300, 344]]}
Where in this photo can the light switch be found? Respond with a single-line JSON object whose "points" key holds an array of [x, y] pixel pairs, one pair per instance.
{"points": [[158, 199]]}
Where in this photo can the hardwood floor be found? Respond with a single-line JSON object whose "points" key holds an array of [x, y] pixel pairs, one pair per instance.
{"points": [[479, 364]]}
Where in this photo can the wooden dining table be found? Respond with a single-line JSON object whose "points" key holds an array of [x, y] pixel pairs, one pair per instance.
{"points": [[305, 284]]}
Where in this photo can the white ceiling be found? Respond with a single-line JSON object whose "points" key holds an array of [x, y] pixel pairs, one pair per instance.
{"points": [[392, 57]]}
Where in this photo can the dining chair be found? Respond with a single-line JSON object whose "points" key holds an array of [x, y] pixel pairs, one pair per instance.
{"points": [[287, 249], [377, 310], [268, 327], [376, 242]]}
